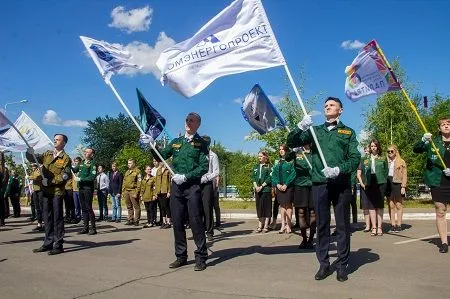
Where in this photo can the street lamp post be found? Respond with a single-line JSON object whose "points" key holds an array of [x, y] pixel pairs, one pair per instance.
{"points": [[16, 102]]}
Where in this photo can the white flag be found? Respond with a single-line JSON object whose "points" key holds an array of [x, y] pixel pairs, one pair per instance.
{"points": [[3, 120], [108, 59], [36, 138], [238, 39]]}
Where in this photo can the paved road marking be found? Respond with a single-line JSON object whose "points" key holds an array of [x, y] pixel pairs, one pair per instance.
{"points": [[414, 240]]}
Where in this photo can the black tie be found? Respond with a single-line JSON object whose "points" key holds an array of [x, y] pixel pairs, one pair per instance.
{"points": [[333, 123]]}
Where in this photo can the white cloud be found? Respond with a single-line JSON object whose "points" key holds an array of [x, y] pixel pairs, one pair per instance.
{"points": [[52, 118], [352, 44], [133, 20], [363, 136], [238, 101]]}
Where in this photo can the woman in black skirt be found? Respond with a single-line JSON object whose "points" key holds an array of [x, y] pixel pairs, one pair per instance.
{"points": [[283, 175], [375, 171], [262, 184], [396, 187], [437, 176], [303, 197]]}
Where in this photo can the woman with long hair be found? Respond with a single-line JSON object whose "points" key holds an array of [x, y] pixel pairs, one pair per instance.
{"points": [[262, 184], [375, 171], [283, 175], [437, 176], [396, 187]]}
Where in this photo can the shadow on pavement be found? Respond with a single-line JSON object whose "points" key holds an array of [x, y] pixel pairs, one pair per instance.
{"points": [[359, 258], [82, 245]]}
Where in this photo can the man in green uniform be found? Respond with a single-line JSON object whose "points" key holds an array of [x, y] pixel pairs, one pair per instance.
{"points": [[86, 172], [130, 191], [36, 196], [190, 162], [330, 184], [56, 167]]}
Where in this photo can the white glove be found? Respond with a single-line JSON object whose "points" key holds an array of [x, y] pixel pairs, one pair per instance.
{"points": [[146, 139], [45, 182], [447, 171], [427, 137], [30, 150], [77, 179], [179, 178], [331, 172], [203, 180], [297, 149], [305, 123]]}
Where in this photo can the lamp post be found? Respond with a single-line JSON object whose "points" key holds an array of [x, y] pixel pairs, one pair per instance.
{"points": [[16, 102]]}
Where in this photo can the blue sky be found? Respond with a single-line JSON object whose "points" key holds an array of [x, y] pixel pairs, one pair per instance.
{"points": [[42, 58]]}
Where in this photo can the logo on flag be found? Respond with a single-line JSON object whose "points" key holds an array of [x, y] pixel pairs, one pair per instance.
{"points": [[368, 74], [108, 58], [260, 113], [151, 121], [238, 39]]}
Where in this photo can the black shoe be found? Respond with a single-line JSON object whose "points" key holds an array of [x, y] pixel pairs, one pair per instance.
{"points": [[56, 251], [217, 225], [67, 221], [38, 229], [136, 223], [303, 245], [209, 237], [163, 226], [92, 232], [41, 249], [74, 221], [200, 266], [323, 273], [341, 274], [309, 245], [83, 231], [129, 222], [177, 264], [2, 222], [334, 233], [99, 219], [118, 221], [296, 225], [31, 218], [168, 225], [443, 248]]}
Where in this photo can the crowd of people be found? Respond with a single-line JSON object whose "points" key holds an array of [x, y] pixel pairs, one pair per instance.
{"points": [[317, 167]]}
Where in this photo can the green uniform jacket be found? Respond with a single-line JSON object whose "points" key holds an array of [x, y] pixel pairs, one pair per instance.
{"points": [[283, 173], [381, 170], [339, 146], [55, 170], [162, 181], [132, 181], [86, 171], [189, 158], [264, 177], [35, 176], [68, 185], [302, 169], [433, 169], [147, 189]]}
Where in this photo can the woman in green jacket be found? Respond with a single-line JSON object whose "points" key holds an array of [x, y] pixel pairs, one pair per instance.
{"points": [[437, 176], [148, 196], [374, 171], [262, 183], [283, 175]]}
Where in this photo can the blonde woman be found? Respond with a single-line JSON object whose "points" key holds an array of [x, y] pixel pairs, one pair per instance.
{"points": [[396, 187]]}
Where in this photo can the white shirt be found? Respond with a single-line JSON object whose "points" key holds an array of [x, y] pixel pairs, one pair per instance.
{"points": [[372, 165], [102, 181], [391, 167], [213, 170], [154, 170]]}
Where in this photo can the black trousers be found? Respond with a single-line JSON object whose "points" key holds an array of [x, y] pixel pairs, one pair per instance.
{"points": [[323, 196], [160, 210], [102, 197], [86, 193], [208, 202], [69, 204], [54, 221], [150, 207], [188, 196], [33, 207], [2, 207], [164, 206], [216, 206], [37, 197], [353, 205], [15, 202]]}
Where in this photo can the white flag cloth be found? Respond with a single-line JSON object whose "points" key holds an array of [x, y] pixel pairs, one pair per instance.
{"points": [[36, 138], [3, 120], [260, 113], [108, 58], [238, 39]]}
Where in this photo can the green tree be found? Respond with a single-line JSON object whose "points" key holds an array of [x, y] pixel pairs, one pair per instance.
{"points": [[133, 151], [107, 135]]}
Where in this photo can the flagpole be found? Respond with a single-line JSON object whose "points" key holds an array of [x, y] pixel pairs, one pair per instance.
{"points": [[27, 181], [313, 133], [109, 83], [413, 107]]}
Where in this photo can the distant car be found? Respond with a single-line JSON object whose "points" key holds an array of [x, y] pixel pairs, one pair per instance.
{"points": [[424, 188]]}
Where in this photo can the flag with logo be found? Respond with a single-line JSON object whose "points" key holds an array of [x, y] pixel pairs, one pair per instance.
{"points": [[36, 138], [108, 58], [238, 39], [369, 74], [260, 113], [151, 121]]}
